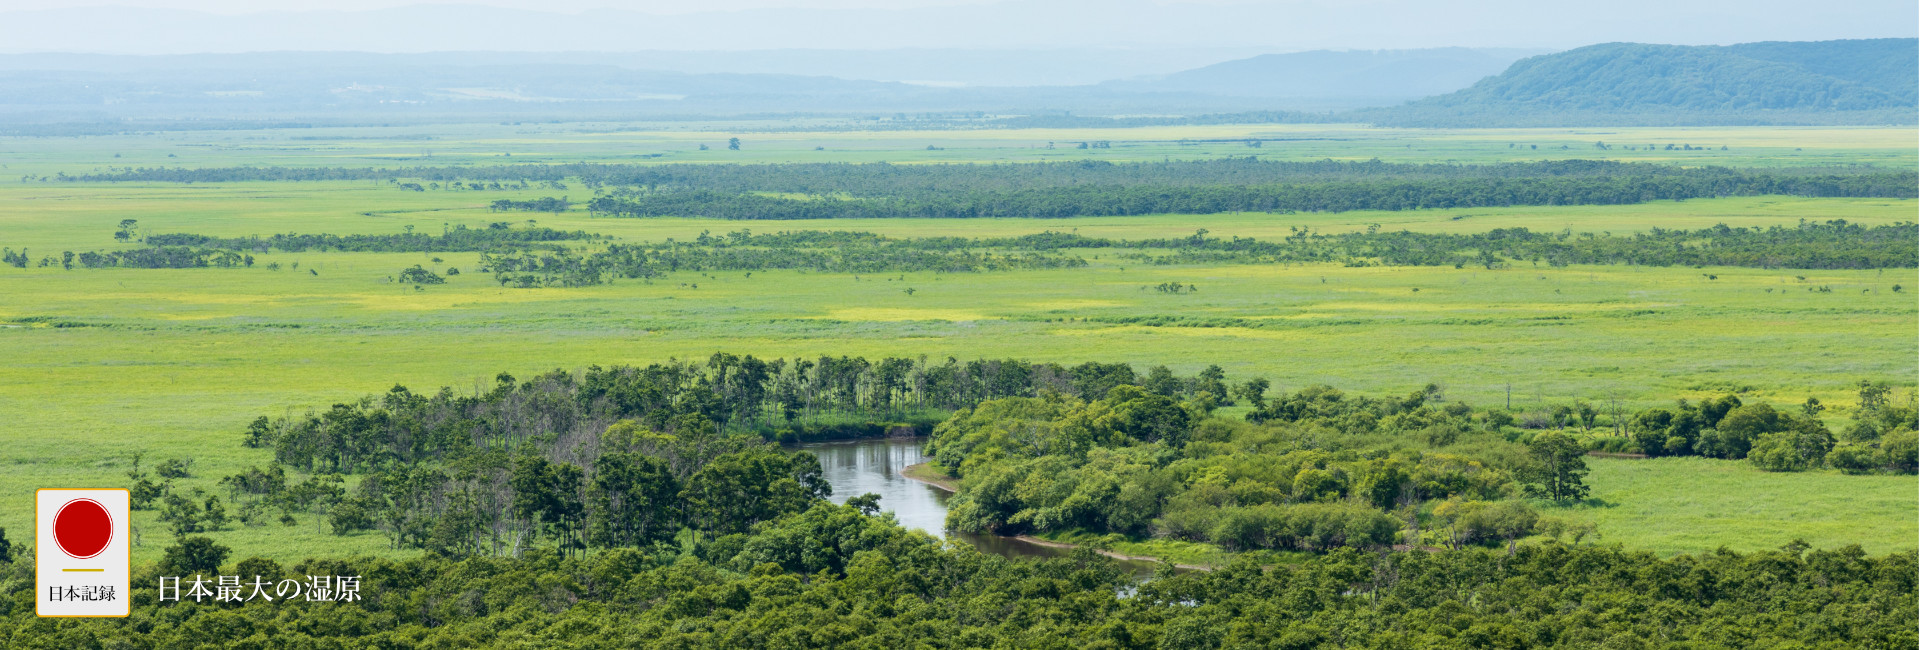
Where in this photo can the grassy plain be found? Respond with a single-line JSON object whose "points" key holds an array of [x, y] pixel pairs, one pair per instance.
{"points": [[1687, 505], [173, 363], [670, 142]]}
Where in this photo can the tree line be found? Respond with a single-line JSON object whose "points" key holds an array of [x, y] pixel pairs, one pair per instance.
{"points": [[542, 204], [1833, 244], [567, 268], [1337, 196], [776, 399], [610, 458], [452, 239], [1881, 437], [871, 180]]}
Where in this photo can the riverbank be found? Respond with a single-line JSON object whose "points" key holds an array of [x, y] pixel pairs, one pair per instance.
{"points": [[926, 473]]}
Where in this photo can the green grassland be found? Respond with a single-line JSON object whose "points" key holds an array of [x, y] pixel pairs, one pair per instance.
{"points": [[764, 141], [48, 218], [173, 363], [1686, 505]]}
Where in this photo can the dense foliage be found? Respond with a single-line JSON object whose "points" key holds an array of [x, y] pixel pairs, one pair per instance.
{"points": [[608, 458], [1831, 245], [777, 399], [1881, 438], [1341, 196], [511, 256], [542, 204], [832, 577], [453, 239], [1319, 468], [1323, 470], [567, 268]]}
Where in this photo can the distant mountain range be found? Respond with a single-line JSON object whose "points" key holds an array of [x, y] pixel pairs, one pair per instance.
{"points": [[1366, 77], [331, 87], [1825, 82], [1774, 82]]}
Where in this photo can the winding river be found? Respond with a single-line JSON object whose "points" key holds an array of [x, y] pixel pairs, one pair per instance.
{"points": [[858, 467]]}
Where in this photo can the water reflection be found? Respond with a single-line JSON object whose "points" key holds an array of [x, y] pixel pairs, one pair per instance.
{"points": [[859, 467]]}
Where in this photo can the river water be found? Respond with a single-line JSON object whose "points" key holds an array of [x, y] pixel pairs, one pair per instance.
{"points": [[858, 467]]}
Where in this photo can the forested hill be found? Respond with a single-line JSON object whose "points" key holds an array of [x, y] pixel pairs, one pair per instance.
{"points": [[1830, 82]]}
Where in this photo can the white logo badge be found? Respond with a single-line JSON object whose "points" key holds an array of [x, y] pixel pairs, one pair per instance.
{"points": [[80, 553]]}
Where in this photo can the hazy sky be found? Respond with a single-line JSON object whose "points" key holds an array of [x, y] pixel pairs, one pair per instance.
{"points": [[188, 26], [574, 6]]}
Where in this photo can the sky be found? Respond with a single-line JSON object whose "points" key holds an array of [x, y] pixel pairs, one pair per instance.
{"points": [[190, 26], [561, 6]]}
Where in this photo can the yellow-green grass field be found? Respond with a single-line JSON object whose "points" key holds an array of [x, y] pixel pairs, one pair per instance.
{"points": [[173, 363], [49, 218]]}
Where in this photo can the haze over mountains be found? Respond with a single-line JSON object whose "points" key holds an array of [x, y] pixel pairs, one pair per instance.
{"points": [[1363, 77], [1831, 82], [1850, 81], [302, 85]]}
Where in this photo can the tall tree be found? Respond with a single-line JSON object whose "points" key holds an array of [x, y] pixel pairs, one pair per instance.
{"points": [[1558, 469]]}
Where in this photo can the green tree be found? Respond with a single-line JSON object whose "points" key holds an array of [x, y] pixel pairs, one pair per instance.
{"points": [[546, 496], [636, 501], [1558, 468], [738, 490], [1586, 413], [1812, 407], [1506, 520], [1254, 391], [733, 143], [1212, 380], [193, 555], [1873, 395], [1143, 416], [1901, 451], [182, 515], [1854, 459], [1737, 431], [1160, 381], [349, 516]]}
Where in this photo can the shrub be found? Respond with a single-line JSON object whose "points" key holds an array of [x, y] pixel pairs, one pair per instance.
{"points": [[349, 517], [193, 555], [417, 275], [1775, 452], [1901, 452], [1311, 526], [1800, 447], [1862, 431], [1854, 459], [1677, 446], [1497, 419]]}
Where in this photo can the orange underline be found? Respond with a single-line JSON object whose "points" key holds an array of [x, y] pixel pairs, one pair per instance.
{"points": [[83, 569]]}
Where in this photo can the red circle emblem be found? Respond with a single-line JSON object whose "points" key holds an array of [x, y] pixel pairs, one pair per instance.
{"points": [[82, 528]]}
